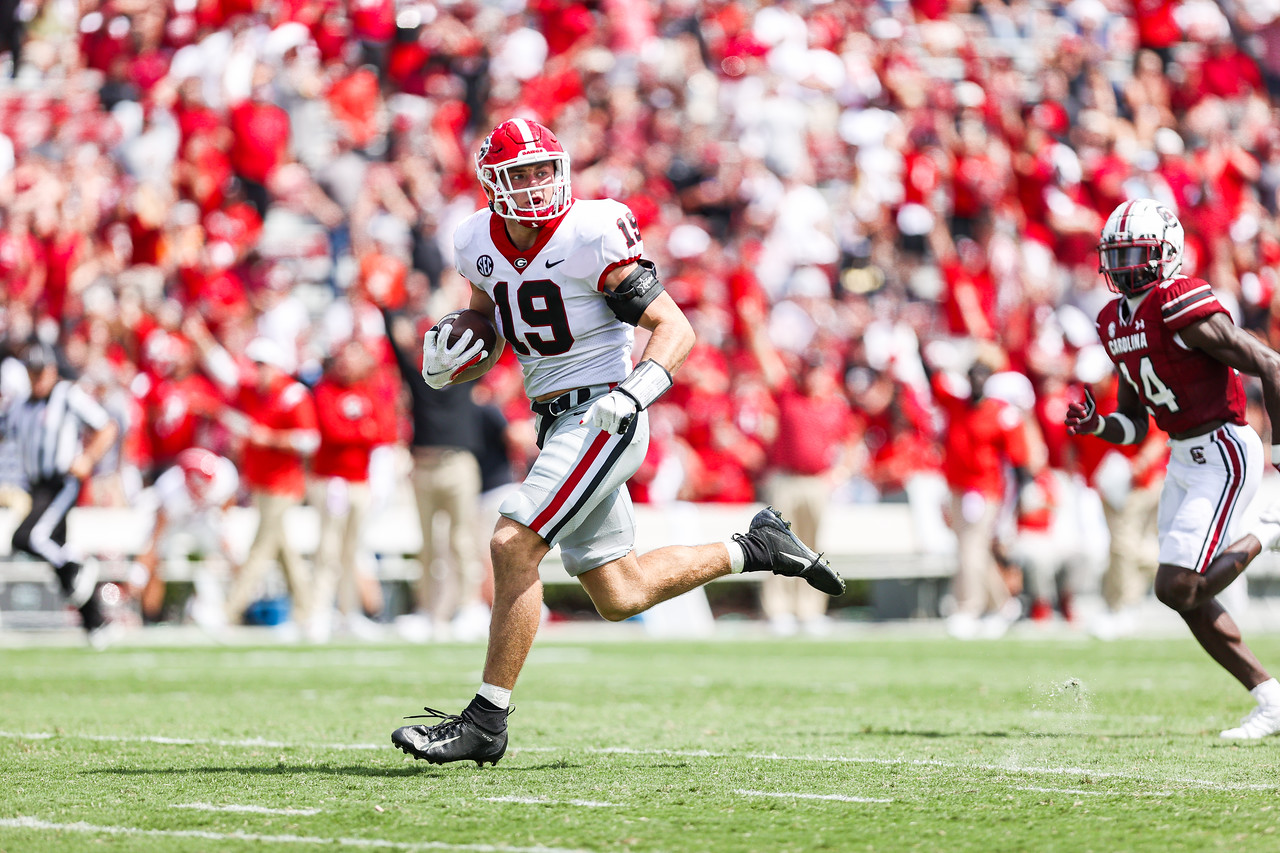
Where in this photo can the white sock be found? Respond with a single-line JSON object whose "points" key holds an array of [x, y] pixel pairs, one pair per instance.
{"points": [[499, 696], [1267, 693], [737, 557]]}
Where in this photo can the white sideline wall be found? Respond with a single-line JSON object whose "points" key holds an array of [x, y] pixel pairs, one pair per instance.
{"points": [[872, 540], [863, 541]]}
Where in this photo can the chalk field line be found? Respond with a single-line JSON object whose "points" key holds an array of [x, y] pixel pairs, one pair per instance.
{"points": [[782, 795], [260, 743], [543, 801], [232, 807], [205, 835]]}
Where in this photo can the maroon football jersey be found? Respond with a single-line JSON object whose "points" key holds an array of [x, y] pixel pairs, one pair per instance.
{"points": [[1182, 387]]}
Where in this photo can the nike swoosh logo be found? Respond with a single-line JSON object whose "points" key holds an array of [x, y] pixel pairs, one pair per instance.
{"points": [[551, 264], [801, 560], [446, 740]]}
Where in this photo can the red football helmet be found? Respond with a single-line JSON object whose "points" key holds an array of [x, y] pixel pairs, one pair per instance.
{"points": [[515, 143], [198, 467]]}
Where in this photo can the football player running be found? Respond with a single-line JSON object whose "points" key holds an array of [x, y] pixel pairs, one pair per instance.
{"points": [[566, 281], [1178, 351]]}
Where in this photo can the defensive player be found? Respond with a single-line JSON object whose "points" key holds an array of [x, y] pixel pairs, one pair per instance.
{"points": [[567, 281], [1177, 351]]}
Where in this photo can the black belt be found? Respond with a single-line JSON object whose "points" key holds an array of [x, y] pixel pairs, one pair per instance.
{"points": [[557, 406]]}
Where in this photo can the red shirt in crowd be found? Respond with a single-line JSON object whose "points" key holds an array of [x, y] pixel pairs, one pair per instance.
{"points": [[978, 440], [260, 136], [969, 300], [1157, 26], [350, 427], [287, 405], [175, 408], [811, 432]]}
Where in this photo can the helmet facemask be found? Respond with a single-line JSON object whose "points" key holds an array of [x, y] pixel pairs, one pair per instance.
{"points": [[1131, 268], [1141, 246], [524, 200], [524, 145]]}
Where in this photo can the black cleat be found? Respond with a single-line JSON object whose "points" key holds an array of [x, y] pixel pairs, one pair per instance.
{"points": [[456, 738], [78, 582], [786, 554]]}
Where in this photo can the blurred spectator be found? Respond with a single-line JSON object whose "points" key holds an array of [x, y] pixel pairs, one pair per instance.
{"points": [[353, 417], [259, 140], [814, 450], [179, 402], [984, 441], [446, 483], [1128, 478], [275, 416], [1044, 551]]}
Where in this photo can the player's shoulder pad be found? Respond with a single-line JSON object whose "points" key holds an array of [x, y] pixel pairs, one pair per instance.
{"points": [[1183, 300], [469, 233], [1172, 287], [599, 213], [634, 293], [611, 227]]}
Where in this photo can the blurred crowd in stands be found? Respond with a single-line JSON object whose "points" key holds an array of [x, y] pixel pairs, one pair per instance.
{"points": [[876, 192]]}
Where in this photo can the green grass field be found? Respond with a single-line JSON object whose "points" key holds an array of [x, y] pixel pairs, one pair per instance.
{"points": [[881, 742]]}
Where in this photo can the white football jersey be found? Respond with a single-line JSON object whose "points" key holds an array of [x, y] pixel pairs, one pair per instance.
{"points": [[171, 494], [551, 304]]}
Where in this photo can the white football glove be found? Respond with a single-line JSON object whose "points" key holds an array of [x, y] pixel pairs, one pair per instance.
{"points": [[442, 363], [612, 412]]}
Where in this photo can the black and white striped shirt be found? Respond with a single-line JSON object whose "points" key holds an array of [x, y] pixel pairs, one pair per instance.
{"points": [[48, 431]]}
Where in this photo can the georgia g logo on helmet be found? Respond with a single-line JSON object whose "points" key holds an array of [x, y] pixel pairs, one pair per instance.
{"points": [[514, 191], [1141, 246]]}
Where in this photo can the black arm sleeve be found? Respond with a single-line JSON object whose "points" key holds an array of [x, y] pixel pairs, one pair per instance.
{"points": [[633, 295]]}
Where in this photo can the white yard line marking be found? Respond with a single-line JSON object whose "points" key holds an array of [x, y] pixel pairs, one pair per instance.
{"points": [[543, 801], [251, 743], [256, 743], [210, 807], [840, 798], [1083, 792], [376, 843], [924, 762]]}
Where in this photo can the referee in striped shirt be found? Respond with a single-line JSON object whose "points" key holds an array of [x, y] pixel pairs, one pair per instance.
{"points": [[50, 428]]}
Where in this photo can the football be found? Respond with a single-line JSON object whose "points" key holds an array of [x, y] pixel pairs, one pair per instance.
{"points": [[482, 329]]}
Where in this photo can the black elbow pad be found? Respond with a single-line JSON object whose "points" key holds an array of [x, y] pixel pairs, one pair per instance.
{"points": [[633, 295]]}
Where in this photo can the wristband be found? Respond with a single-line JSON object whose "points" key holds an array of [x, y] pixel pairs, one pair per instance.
{"points": [[1275, 455], [646, 383], [1126, 425]]}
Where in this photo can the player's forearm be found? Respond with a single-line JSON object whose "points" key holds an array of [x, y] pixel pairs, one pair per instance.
{"points": [[671, 340], [100, 443], [1271, 402], [1124, 428]]}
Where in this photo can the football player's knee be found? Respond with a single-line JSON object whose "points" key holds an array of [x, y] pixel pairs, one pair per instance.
{"points": [[1180, 592], [617, 611], [515, 547], [620, 605]]}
